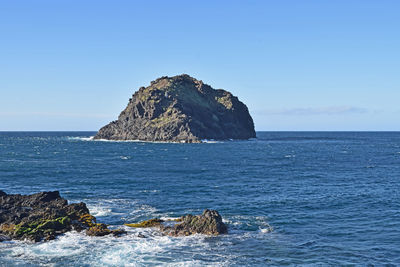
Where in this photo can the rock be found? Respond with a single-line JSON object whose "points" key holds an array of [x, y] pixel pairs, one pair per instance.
{"points": [[208, 223], [101, 229], [4, 238], [43, 216], [180, 109], [149, 223], [141, 235], [118, 232]]}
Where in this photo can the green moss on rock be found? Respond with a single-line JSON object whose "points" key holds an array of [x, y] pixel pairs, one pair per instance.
{"points": [[44, 216], [149, 223], [42, 228]]}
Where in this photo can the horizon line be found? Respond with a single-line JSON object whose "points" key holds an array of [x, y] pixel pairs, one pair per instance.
{"points": [[61, 131]]}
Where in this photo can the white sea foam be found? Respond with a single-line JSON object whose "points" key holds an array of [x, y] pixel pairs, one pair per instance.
{"points": [[104, 207], [66, 245], [266, 228], [168, 218], [128, 250], [81, 138], [99, 211], [232, 222], [133, 141], [128, 210], [210, 141], [142, 209], [246, 221], [75, 248], [149, 191], [116, 141], [91, 138]]}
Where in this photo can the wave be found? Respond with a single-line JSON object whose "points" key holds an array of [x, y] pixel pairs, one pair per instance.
{"points": [[100, 211], [290, 156], [211, 141], [91, 138], [75, 248], [149, 191]]}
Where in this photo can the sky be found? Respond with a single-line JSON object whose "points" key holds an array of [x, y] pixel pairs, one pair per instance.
{"points": [[298, 65]]}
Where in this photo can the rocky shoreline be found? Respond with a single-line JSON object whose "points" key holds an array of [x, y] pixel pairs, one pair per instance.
{"points": [[44, 216]]}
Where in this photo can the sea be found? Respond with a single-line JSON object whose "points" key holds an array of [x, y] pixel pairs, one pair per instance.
{"points": [[288, 198]]}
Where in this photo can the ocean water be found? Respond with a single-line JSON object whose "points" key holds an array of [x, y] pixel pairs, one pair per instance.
{"points": [[288, 198]]}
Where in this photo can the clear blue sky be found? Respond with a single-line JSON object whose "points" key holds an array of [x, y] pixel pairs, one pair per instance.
{"points": [[298, 65]]}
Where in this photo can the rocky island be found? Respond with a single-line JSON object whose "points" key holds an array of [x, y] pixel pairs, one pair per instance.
{"points": [[180, 109]]}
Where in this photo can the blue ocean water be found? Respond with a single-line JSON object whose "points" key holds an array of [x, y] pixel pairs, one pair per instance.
{"points": [[289, 198]]}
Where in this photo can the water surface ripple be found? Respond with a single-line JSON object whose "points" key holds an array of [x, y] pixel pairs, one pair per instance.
{"points": [[330, 198]]}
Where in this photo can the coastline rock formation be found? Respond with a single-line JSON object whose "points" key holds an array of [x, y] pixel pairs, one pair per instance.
{"points": [[180, 109], [45, 215], [208, 223]]}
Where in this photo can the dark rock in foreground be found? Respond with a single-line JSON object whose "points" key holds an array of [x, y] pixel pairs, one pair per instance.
{"points": [[180, 109], [208, 223], [45, 215]]}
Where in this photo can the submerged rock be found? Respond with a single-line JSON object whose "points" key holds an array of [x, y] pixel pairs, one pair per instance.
{"points": [[180, 109], [43, 216], [208, 223]]}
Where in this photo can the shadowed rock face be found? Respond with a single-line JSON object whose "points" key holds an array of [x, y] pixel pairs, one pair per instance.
{"points": [[43, 216], [180, 109]]}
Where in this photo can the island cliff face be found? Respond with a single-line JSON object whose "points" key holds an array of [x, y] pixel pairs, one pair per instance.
{"points": [[180, 109]]}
